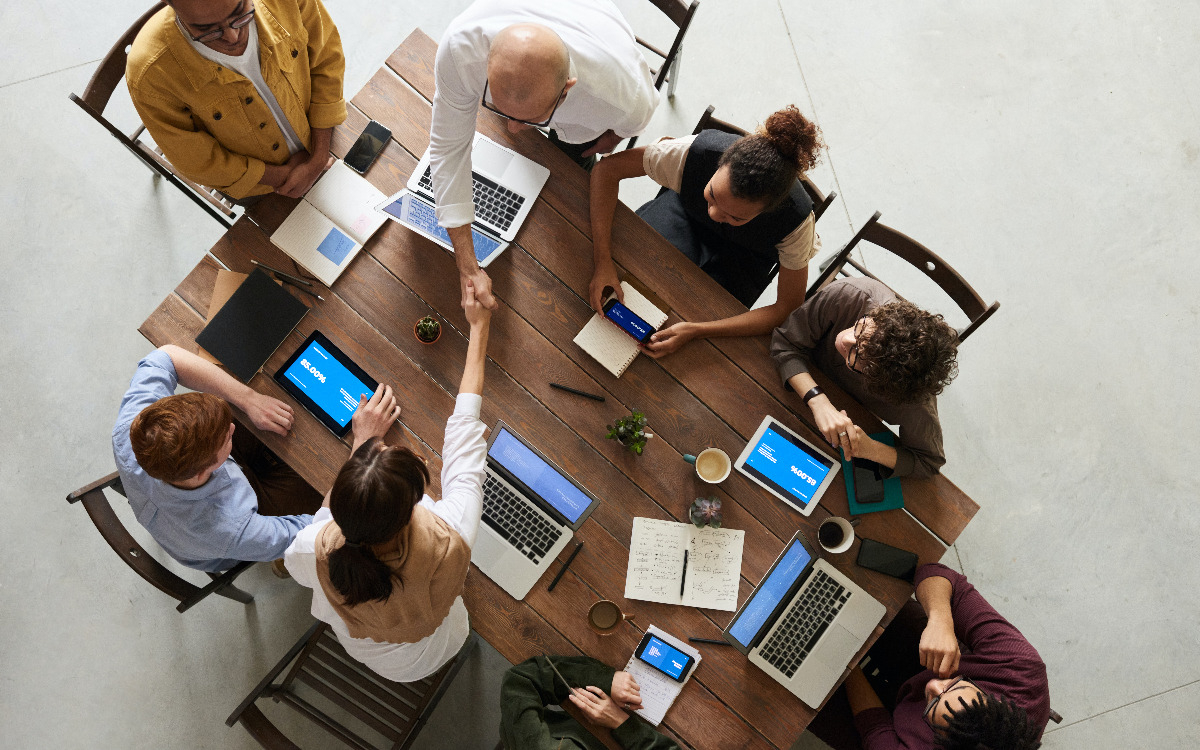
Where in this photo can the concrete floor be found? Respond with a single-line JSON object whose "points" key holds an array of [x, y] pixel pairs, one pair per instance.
{"points": [[1043, 149]]}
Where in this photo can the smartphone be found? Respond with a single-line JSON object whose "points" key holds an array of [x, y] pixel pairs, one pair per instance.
{"points": [[627, 321], [868, 481], [886, 559], [664, 657], [367, 148]]}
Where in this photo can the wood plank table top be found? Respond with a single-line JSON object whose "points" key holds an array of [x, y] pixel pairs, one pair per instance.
{"points": [[710, 393]]}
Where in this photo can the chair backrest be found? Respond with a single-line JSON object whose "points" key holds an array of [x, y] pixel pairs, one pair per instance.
{"points": [[919, 257], [105, 519], [344, 696], [820, 201], [680, 13]]}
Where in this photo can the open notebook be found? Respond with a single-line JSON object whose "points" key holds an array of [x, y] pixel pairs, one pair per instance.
{"points": [[609, 345], [661, 551], [328, 228]]}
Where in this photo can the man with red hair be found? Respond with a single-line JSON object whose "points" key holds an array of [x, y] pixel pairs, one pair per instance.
{"points": [[173, 452]]}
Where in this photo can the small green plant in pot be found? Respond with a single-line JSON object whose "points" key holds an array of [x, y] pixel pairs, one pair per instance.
{"points": [[427, 330], [630, 432], [706, 511]]}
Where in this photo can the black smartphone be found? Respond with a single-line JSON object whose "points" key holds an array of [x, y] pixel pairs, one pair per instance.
{"points": [[367, 148], [886, 559], [664, 657], [868, 481], [628, 321]]}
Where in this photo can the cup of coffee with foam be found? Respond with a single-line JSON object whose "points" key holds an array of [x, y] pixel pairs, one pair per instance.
{"points": [[712, 465], [835, 535], [605, 616]]}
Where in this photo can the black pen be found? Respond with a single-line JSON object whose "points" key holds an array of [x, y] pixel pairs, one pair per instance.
{"points": [[295, 279], [683, 580], [300, 288], [713, 641], [566, 565], [585, 394]]}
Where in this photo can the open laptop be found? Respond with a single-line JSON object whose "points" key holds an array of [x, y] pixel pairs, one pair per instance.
{"points": [[804, 622], [531, 509], [505, 186]]}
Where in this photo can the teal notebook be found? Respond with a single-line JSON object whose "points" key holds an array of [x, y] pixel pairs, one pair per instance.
{"points": [[892, 496]]}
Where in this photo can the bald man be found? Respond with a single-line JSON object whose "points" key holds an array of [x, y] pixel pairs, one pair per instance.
{"points": [[570, 65]]}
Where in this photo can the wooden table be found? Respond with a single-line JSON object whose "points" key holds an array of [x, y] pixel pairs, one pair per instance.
{"points": [[709, 393]]}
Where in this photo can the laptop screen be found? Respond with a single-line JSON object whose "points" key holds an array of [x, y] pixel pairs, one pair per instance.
{"points": [[767, 597], [788, 465], [421, 215], [539, 476]]}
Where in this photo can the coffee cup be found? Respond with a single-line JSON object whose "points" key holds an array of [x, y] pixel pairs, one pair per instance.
{"points": [[604, 617], [835, 535], [712, 465]]}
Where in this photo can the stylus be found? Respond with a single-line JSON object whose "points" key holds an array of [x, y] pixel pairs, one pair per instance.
{"points": [[301, 289], [585, 394], [713, 641], [563, 569], [295, 279]]}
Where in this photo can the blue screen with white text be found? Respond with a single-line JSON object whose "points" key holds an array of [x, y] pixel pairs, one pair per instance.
{"points": [[788, 465], [539, 476], [658, 653], [333, 388], [628, 321], [769, 593]]}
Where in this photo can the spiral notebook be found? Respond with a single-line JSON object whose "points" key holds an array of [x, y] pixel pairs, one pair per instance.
{"points": [[659, 691], [608, 344]]}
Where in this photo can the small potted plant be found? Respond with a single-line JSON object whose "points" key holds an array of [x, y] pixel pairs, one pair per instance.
{"points": [[630, 432], [427, 330], [706, 511]]}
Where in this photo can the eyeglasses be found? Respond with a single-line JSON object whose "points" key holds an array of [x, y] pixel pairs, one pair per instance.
{"points": [[959, 683], [212, 36], [491, 108], [860, 328]]}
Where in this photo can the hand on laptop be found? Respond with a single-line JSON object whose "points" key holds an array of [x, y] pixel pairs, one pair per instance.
{"points": [[626, 692], [269, 414], [374, 416], [939, 649], [598, 707]]}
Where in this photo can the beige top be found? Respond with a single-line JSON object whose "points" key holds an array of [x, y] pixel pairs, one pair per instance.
{"points": [[663, 161]]}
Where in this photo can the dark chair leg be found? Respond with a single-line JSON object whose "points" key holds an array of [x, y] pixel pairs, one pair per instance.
{"points": [[221, 584]]}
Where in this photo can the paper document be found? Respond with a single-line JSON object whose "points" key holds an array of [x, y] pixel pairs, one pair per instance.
{"points": [[659, 691], [656, 564]]}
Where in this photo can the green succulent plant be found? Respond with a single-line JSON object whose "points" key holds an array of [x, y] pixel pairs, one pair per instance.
{"points": [[630, 432], [706, 511], [428, 328]]}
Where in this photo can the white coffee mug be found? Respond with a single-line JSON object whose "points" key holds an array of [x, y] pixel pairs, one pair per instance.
{"points": [[847, 531], [709, 458]]}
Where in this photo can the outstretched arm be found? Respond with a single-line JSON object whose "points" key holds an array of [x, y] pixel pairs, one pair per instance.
{"points": [[605, 183], [265, 412], [479, 317]]}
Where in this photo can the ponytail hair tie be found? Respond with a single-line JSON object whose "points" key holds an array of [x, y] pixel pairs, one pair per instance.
{"points": [[355, 545]]}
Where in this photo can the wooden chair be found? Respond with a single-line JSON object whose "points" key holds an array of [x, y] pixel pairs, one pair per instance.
{"points": [[94, 101], [135, 556], [680, 13], [919, 257], [820, 200], [325, 677]]}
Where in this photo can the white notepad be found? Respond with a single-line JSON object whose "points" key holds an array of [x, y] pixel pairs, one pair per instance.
{"points": [[608, 344], [328, 228], [655, 571], [659, 691]]}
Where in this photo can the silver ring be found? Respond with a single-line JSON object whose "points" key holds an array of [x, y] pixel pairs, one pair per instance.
{"points": [[843, 434]]}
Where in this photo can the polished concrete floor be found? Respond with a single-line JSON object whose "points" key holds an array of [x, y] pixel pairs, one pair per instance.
{"points": [[1048, 151]]}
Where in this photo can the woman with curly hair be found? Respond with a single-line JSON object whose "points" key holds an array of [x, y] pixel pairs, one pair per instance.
{"points": [[734, 206], [887, 353]]}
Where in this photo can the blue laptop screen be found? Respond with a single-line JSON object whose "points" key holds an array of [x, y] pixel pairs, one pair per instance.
{"points": [[788, 465], [422, 216], [769, 594], [334, 389], [539, 476]]}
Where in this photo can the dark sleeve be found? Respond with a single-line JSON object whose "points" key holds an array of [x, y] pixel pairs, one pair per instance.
{"points": [[875, 728], [636, 734], [532, 685], [920, 452], [828, 311]]}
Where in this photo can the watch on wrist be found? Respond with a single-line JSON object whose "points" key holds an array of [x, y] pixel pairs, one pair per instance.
{"points": [[812, 393]]}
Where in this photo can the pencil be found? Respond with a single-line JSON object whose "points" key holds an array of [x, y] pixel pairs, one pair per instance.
{"points": [[566, 565], [585, 394], [295, 279], [713, 641], [300, 288]]}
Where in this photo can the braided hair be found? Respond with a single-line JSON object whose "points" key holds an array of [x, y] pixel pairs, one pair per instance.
{"points": [[994, 723]]}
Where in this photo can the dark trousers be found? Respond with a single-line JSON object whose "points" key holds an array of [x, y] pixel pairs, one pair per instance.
{"points": [[280, 490], [891, 662], [575, 151]]}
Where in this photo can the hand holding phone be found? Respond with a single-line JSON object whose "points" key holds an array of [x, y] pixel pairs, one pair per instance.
{"points": [[627, 320], [664, 657]]}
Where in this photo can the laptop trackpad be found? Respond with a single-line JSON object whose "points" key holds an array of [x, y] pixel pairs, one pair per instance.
{"points": [[838, 647], [488, 551], [489, 159]]}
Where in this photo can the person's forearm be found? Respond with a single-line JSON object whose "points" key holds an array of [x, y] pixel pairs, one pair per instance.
{"points": [[472, 379], [200, 375], [881, 453], [464, 249], [321, 140], [933, 594], [602, 205], [750, 323], [275, 174], [859, 692]]}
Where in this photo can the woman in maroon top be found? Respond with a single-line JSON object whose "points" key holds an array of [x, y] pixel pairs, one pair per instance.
{"points": [[989, 692]]}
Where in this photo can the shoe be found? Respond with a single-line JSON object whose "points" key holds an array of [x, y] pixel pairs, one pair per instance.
{"points": [[279, 570]]}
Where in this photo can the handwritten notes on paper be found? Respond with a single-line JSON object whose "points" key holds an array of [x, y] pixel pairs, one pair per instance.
{"points": [[656, 561]]}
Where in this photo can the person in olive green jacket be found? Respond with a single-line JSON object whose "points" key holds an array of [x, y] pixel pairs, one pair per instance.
{"points": [[531, 686], [241, 95]]}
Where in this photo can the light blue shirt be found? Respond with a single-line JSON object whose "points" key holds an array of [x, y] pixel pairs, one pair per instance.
{"points": [[209, 528]]}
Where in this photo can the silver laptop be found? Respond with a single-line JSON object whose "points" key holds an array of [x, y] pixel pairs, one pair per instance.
{"points": [[804, 622], [531, 509]]}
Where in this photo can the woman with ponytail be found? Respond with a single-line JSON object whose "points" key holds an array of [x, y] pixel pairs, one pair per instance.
{"points": [[734, 206], [387, 563]]}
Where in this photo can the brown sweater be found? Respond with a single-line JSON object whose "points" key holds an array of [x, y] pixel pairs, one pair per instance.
{"points": [[805, 340]]}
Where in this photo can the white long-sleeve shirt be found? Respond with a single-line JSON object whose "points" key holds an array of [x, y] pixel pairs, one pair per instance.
{"points": [[464, 456], [614, 90]]}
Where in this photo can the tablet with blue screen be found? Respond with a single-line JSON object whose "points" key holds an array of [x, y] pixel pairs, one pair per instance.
{"points": [[788, 466], [326, 382]]}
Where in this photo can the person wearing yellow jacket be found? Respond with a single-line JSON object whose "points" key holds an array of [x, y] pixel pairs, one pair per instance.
{"points": [[241, 95]]}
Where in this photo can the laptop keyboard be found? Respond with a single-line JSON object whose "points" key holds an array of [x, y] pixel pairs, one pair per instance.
{"points": [[511, 516], [495, 204], [805, 623]]}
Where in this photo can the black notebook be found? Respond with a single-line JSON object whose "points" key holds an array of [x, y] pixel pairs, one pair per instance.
{"points": [[251, 325]]}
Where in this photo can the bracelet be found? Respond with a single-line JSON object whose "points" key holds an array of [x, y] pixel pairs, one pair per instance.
{"points": [[812, 393]]}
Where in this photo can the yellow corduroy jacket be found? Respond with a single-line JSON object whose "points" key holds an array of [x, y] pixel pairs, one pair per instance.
{"points": [[210, 121]]}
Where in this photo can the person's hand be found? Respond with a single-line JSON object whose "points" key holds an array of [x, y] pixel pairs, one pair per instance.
{"points": [[604, 144], [374, 416], [303, 175], [268, 413], [938, 649], [598, 707], [482, 284], [668, 340], [603, 277], [625, 691], [835, 426], [477, 314]]}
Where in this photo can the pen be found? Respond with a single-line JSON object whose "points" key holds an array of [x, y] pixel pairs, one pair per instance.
{"points": [[713, 641], [566, 565], [683, 580], [295, 279], [300, 288], [585, 394]]}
